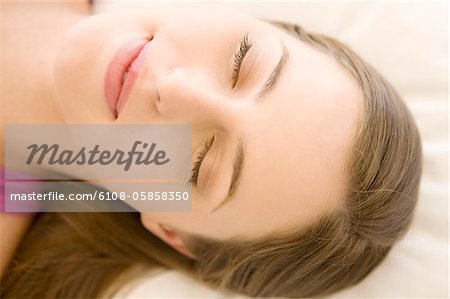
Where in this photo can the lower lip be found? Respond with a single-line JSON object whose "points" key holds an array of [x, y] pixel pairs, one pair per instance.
{"points": [[130, 56]]}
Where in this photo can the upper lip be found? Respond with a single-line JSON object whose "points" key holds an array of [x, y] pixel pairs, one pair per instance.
{"points": [[117, 68]]}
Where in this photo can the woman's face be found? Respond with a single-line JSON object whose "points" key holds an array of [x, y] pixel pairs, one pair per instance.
{"points": [[281, 132]]}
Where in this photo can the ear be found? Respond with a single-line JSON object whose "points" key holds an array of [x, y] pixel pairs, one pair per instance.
{"points": [[169, 235]]}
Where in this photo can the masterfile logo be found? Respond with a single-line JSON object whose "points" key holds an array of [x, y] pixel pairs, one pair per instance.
{"points": [[66, 166]]}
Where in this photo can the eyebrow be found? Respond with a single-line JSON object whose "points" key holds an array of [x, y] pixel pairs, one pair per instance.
{"points": [[274, 76], [238, 160]]}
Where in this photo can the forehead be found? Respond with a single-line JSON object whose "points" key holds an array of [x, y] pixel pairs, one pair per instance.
{"points": [[297, 141]]}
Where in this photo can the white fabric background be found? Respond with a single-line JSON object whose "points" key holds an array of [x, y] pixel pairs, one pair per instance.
{"points": [[408, 44]]}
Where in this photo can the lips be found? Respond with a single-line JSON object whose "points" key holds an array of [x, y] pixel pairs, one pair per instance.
{"points": [[122, 72]]}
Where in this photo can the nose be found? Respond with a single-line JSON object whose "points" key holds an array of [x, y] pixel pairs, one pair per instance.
{"points": [[194, 97]]}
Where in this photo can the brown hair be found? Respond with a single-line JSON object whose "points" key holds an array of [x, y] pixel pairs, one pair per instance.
{"points": [[69, 255]]}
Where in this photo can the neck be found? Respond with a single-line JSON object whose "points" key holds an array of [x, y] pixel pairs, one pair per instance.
{"points": [[31, 35]]}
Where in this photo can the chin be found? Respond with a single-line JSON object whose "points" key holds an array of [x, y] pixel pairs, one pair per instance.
{"points": [[78, 75]]}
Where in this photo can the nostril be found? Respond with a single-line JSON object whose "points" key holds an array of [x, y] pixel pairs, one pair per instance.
{"points": [[158, 100]]}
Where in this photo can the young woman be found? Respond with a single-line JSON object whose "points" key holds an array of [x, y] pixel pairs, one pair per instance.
{"points": [[330, 157]]}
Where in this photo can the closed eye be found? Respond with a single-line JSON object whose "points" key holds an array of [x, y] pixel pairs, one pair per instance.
{"points": [[244, 46], [199, 157]]}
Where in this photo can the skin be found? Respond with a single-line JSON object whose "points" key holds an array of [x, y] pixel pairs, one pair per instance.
{"points": [[25, 92], [295, 139]]}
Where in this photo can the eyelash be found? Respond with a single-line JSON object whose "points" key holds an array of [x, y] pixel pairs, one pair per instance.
{"points": [[244, 45], [198, 161]]}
